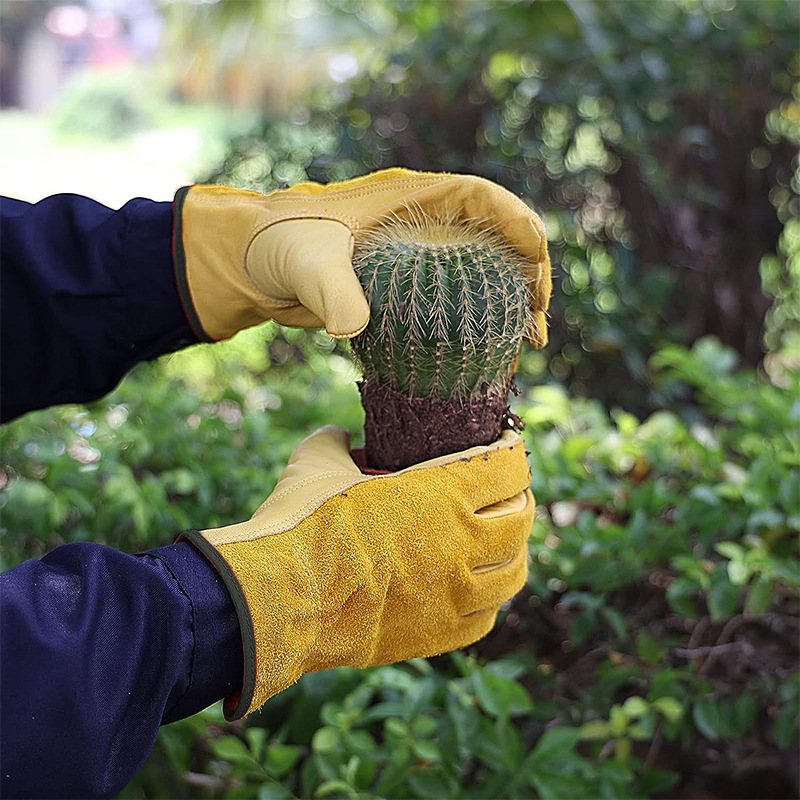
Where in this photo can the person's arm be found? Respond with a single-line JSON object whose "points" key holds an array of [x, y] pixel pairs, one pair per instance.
{"points": [[99, 648], [85, 293]]}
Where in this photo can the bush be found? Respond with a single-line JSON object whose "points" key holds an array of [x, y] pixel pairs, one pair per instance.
{"points": [[658, 140], [654, 651]]}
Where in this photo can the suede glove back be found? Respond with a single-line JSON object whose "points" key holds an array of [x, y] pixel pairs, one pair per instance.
{"points": [[340, 568]]}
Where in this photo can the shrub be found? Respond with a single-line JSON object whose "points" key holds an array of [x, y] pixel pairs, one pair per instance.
{"points": [[654, 650]]}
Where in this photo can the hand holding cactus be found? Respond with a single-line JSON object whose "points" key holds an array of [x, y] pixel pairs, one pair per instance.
{"points": [[243, 257], [454, 268]]}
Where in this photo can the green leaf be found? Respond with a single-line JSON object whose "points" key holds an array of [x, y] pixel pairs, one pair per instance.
{"points": [[760, 596], [745, 713], [649, 649], [273, 791], [234, 750], [653, 782], [622, 750], [500, 697], [424, 726], [669, 707], [554, 744], [332, 786], [281, 758], [429, 783], [635, 707], [706, 716], [255, 740], [595, 730], [325, 740], [738, 573], [558, 786], [786, 724], [731, 550], [722, 596], [680, 595], [426, 750]]}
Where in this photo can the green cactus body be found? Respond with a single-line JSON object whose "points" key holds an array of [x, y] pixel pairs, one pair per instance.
{"points": [[448, 312]]}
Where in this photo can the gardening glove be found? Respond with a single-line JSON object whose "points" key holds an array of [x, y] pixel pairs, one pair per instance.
{"points": [[243, 257], [341, 568]]}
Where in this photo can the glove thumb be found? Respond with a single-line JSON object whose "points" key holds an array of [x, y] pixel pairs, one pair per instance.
{"points": [[306, 262]]}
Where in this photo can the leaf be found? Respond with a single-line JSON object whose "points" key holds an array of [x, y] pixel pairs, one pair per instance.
{"points": [[745, 713], [255, 740], [616, 620], [558, 786], [680, 594], [731, 550], [426, 750], [429, 783], [786, 724], [760, 596], [396, 728], [653, 782], [595, 730], [622, 750], [500, 697], [738, 572], [649, 649], [331, 786], [706, 716], [234, 750], [325, 740], [554, 744], [670, 707], [635, 707], [722, 597], [424, 726], [281, 758], [273, 791]]}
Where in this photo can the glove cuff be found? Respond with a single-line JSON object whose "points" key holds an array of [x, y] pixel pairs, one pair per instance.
{"points": [[179, 264], [238, 704]]}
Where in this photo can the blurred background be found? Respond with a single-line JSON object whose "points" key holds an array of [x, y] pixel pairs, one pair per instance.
{"points": [[655, 649]]}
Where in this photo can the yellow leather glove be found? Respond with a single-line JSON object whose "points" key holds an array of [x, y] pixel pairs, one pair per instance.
{"points": [[341, 568], [243, 257]]}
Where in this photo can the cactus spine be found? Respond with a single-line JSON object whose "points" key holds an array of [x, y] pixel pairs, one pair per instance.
{"points": [[448, 312]]}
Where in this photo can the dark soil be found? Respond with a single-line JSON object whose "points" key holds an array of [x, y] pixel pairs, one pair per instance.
{"points": [[401, 430]]}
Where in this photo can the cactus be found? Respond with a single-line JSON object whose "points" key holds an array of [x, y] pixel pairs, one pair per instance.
{"points": [[449, 308]]}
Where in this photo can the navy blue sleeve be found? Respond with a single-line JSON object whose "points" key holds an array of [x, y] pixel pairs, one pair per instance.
{"points": [[85, 293], [97, 649]]}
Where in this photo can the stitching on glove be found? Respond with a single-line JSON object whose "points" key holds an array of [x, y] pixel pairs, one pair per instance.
{"points": [[303, 482], [376, 188]]}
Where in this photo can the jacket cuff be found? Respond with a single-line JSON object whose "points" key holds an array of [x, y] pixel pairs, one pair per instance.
{"points": [[156, 317], [217, 662]]}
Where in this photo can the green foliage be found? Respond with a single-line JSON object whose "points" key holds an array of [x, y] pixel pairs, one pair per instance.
{"points": [[448, 310], [656, 637], [645, 133]]}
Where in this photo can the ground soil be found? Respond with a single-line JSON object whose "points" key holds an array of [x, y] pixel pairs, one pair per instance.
{"points": [[401, 430]]}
